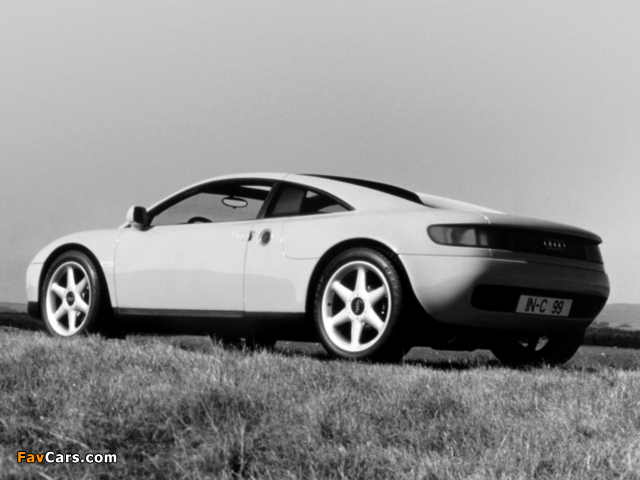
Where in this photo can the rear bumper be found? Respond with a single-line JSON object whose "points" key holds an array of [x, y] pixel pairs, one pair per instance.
{"points": [[481, 291]]}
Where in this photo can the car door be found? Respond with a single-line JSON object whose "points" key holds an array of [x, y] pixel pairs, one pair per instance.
{"points": [[274, 282], [191, 257]]}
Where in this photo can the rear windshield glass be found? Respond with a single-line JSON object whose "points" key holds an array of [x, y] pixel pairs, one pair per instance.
{"points": [[380, 187]]}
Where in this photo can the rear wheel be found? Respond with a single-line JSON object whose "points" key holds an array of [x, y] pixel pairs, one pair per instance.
{"points": [[358, 306], [71, 296], [536, 350]]}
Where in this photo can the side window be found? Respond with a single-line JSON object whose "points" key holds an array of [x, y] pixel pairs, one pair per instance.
{"points": [[294, 200], [315, 203], [214, 203]]}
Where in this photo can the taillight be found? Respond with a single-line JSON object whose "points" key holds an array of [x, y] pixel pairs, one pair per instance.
{"points": [[458, 235], [516, 240]]}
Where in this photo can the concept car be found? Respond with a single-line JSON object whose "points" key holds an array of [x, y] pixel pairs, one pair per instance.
{"points": [[367, 269]]}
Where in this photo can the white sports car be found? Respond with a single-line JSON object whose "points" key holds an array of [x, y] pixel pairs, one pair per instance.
{"points": [[368, 269]]}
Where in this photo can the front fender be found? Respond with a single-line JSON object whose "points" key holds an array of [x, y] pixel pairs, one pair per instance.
{"points": [[101, 244]]}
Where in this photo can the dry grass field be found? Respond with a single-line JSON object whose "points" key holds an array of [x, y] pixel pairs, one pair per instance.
{"points": [[185, 407]]}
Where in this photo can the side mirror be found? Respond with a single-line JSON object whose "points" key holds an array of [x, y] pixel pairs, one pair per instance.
{"points": [[138, 218]]}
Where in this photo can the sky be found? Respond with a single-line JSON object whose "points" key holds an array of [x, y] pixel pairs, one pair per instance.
{"points": [[532, 108]]}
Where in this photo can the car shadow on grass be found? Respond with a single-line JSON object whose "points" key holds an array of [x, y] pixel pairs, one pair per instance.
{"points": [[20, 321], [589, 359], [418, 357], [454, 365]]}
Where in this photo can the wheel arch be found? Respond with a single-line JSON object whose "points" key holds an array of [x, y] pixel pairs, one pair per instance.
{"points": [[80, 248], [341, 247]]}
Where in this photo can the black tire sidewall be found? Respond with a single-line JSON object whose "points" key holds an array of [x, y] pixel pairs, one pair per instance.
{"points": [[90, 324], [390, 341]]}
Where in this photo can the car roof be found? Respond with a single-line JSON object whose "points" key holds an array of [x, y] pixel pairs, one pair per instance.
{"points": [[361, 194]]}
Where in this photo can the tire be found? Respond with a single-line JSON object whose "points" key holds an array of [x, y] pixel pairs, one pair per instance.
{"points": [[71, 297], [536, 350], [358, 306]]}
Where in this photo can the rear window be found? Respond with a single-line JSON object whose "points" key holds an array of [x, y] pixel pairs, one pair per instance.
{"points": [[380, 187]]}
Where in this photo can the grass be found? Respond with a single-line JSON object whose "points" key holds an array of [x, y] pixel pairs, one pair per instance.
{"points": [[185, 407]]}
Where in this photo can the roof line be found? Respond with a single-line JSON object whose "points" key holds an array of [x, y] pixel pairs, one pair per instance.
{"points": [[378, 186]]}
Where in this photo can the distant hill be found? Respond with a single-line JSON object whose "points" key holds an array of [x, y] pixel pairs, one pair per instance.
{"points": [[13, 307], [621, 315]]}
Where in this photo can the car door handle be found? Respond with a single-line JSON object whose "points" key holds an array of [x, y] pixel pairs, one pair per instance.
{"points": [[244, 236]]}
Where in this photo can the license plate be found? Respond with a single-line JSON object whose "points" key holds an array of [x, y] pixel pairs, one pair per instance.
{"points": [[555, 307]]}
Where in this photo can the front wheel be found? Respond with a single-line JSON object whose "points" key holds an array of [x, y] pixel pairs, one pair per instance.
{"points": [[71, 296], [537, 350], [358, 306]]}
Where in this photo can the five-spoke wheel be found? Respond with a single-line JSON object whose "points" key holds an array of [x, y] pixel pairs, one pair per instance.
{"points": [[70, 295], [358, 305]]}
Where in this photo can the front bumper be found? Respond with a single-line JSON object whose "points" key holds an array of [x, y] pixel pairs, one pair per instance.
{"points": [[34, 271], [445, 287]]}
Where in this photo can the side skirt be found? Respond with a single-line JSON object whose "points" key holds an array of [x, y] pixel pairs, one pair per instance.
{"points": [[280, 326]]}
